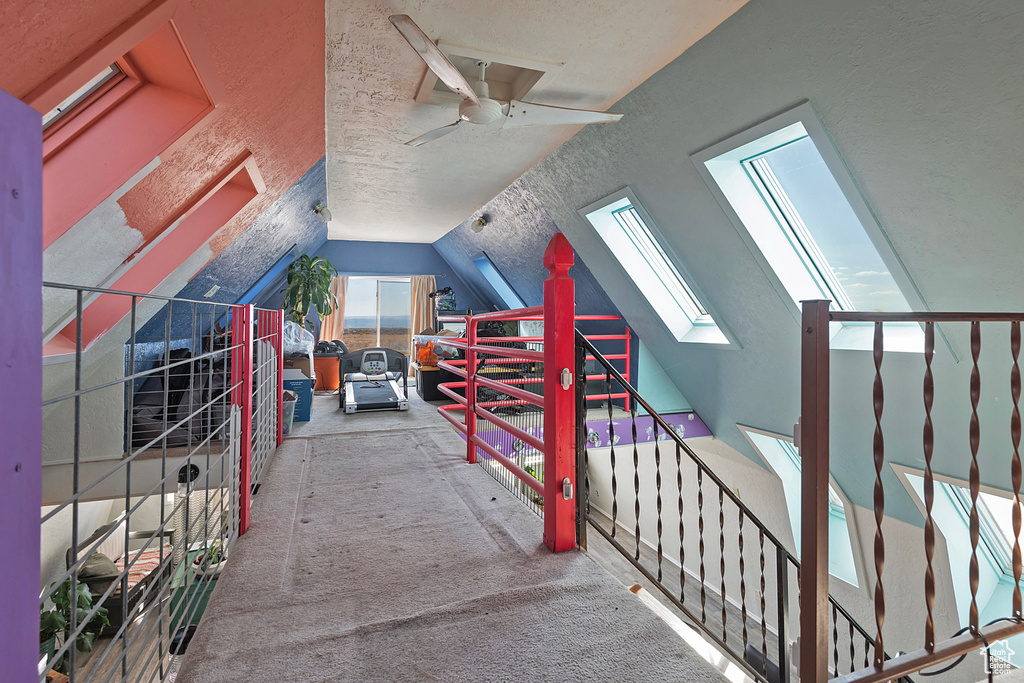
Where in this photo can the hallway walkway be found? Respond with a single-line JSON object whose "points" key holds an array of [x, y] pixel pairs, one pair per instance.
{"points": [[376, 553]]}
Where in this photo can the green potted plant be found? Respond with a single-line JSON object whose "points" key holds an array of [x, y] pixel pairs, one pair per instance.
{"points": [[210, 559], [309, 284], [55, 622]]}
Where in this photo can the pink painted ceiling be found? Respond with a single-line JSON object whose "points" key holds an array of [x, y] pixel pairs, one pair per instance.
{"points": [[267, 60]]}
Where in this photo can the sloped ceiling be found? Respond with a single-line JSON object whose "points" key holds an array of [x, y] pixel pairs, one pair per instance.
{"points": [[380, 189], [922, 102]]}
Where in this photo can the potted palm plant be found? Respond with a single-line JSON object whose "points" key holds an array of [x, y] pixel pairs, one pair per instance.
{"points": [[309, 284]]}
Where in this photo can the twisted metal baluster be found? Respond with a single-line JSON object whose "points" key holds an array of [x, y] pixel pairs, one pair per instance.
{"points": [[853, 652], [835, 638], [700, 546], [975, 439], [879, 457], [764, 627], [657, 480], [867, 650], [682, 547], [1015, 469], [611, 445], [929, 487], [743, 584], [636, 481], [721, 555]]}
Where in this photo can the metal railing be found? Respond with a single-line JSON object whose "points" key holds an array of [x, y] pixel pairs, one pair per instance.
{"points": [[736, 583], [148, 451], [814, 448], [530, 392], [503, 418]]}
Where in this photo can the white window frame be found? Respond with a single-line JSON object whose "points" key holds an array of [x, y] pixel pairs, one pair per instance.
{"points": [[996, 558], [835, 490], [386, 278], [723, 169], [699, 323], [502, 295]]}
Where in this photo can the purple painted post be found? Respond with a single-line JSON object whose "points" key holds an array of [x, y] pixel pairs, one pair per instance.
{"points": [[21, 376]]}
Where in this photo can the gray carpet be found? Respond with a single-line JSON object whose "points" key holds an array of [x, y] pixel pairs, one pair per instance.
{"points": [[381, 555]]}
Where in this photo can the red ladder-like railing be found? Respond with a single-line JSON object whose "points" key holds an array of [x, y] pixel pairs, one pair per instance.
{"points": [[558, 400]]}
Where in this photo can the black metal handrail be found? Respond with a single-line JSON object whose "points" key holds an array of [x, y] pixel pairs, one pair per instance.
{"points": [[783, 557]]}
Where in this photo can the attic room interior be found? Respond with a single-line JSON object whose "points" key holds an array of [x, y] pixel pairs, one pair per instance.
{"points": [[674, 340]]}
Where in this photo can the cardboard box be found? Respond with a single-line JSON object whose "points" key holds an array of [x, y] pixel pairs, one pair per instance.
{"points": [[295, 380], [301, 363]]}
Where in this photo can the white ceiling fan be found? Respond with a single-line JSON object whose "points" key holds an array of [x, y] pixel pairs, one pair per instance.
{"points": [[476, 106]]}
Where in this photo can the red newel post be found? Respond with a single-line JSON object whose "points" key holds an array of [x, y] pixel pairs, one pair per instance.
{"points": [[279, 348], [559, 397], [241, 379], [470, 391], [813, 447]]}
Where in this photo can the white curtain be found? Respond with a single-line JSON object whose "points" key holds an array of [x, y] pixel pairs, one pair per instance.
{"points": [[422, 304], [333, 326]]}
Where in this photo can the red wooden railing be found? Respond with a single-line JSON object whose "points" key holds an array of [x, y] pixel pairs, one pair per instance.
{"points": [[558, 400], [814, 449], [557, 397], [250, 325]]}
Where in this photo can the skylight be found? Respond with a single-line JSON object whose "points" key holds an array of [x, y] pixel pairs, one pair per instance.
{"points": [[635, 243], [80, 95], [498, 282], [821, 227], [785, 188], [782, 458], [951, 511]]}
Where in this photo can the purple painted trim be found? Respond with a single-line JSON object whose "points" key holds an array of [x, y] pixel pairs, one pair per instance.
{"points": [[688, 425], [21, 376]]}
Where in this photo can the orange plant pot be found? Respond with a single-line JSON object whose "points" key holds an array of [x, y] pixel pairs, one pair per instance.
{"points": [[326, 370]]}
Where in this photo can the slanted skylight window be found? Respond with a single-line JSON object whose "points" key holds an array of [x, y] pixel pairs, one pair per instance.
{"points": [[951, 511], [498, 282], [635, 243], [782, 458], [823, 230], [790, 197], [79, 96]]}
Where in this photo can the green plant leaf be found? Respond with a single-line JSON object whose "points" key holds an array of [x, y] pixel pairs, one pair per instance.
{"points": [[84, 642]]}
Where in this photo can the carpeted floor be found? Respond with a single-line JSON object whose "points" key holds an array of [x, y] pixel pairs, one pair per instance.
{"points": [[377, 554]]}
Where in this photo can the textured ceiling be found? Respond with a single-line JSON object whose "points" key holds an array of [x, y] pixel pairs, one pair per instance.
{"points": [[381, 189]]}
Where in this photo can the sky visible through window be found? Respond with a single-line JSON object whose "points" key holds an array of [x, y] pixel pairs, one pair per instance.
{"points": [[361, 303], [498, 282], [80, 94], [834, 227]]}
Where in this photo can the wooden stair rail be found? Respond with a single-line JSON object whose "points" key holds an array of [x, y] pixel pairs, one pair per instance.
{"points": [[813, 442]]}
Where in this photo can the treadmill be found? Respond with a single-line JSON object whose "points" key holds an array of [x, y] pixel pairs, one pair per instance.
{"points": [[371, 380]]}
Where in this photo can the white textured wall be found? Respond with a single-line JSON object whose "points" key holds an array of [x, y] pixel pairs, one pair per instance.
{"points": [[56, 536]]}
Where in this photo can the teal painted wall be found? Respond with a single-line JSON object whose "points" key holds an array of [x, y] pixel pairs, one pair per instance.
{"points": [[922, 101]]}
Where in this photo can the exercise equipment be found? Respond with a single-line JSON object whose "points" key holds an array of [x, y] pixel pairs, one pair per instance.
{"points": [[371, 380]]}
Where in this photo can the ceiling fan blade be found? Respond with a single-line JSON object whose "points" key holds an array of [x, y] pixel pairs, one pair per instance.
{"points": [[435, 134], [433, 56], [529, 114]]}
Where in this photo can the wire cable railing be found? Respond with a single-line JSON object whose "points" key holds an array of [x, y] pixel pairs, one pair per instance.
{"points": [[148, 450]]}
